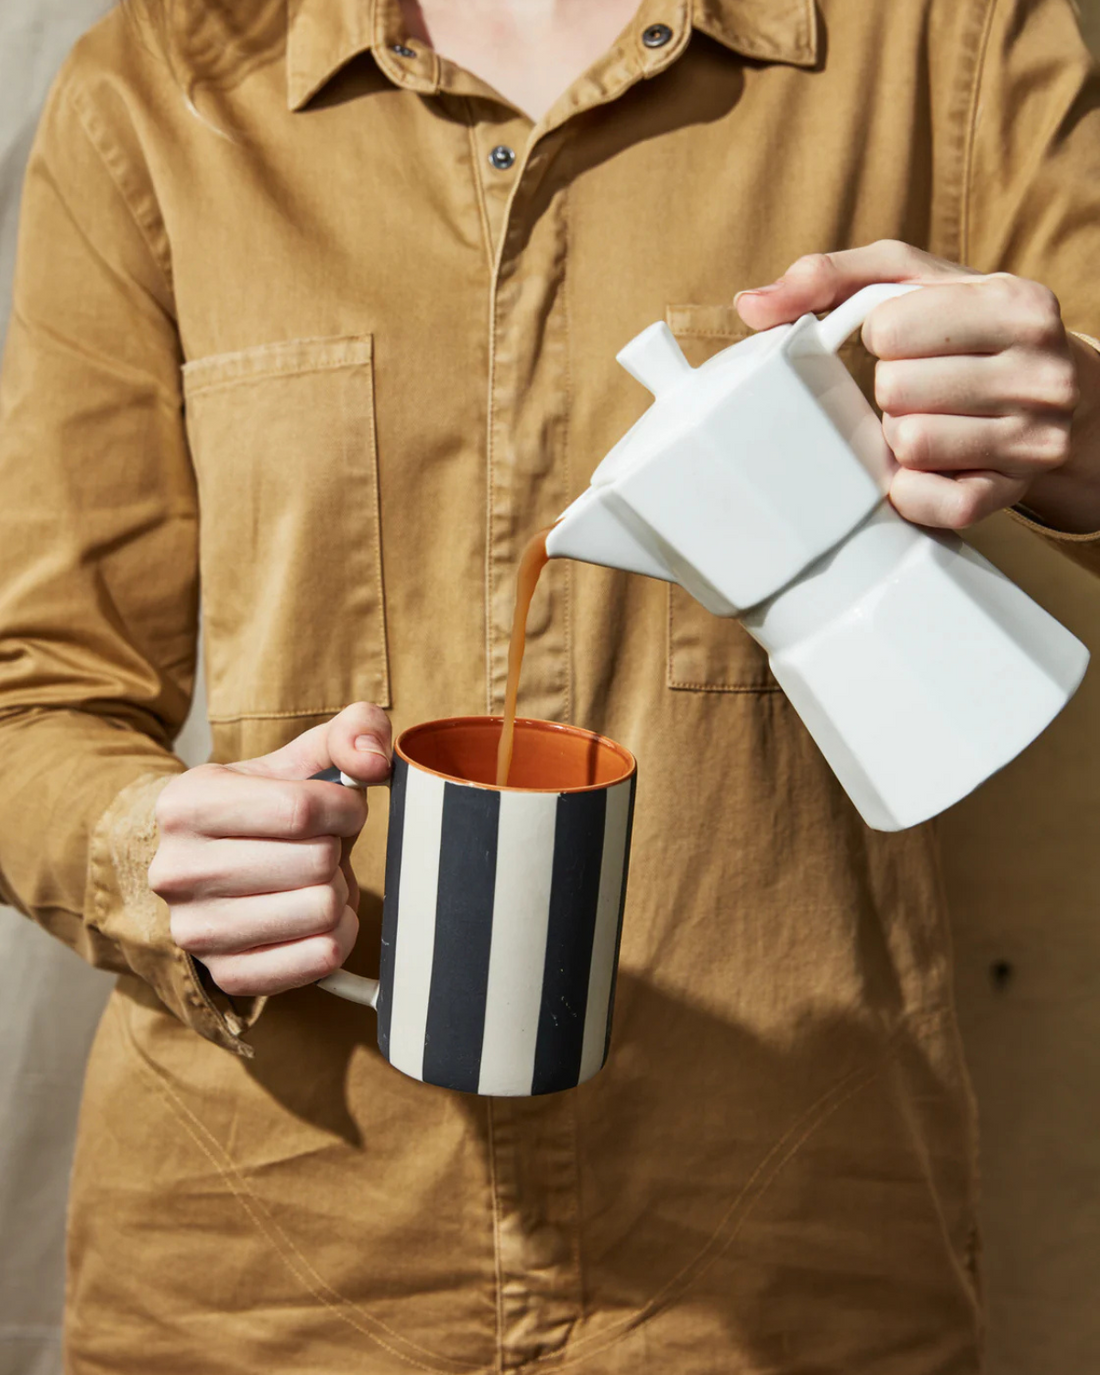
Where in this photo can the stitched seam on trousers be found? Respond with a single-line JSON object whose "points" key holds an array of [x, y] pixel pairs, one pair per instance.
{"points": [[766, 1172], [496, 1236], [292, 1256]]}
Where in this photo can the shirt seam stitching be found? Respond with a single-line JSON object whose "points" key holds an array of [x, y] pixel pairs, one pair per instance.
{"points": [[227, 718], [86, 118], [970, 135], [678, 684], [567, 429], [244, 379]]}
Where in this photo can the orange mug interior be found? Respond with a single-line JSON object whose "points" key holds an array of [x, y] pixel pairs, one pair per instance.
{"points": [[547, 757]]}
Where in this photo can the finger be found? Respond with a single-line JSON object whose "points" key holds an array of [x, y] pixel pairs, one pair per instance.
{"points": [[294, 964], [1017, 445], [227, 926], [349, 874], [820, 281], [190, 868], [977, 384], [309, 753], [974, 315], [213, 800], [952, 503], [359, 743]]}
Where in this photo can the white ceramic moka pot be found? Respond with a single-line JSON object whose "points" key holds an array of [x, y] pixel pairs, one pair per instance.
{"points": [[758, 482]]}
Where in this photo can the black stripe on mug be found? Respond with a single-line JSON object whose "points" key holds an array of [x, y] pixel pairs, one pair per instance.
{"points": [[463, 930], [392, 901], [574, 897]]}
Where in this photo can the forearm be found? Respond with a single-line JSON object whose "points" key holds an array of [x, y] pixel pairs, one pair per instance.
{"points": [[1069, 498], [62, 770]]}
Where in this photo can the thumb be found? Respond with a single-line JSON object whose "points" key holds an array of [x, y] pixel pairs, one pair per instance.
{"points": [[357, 742], [820, 281]]}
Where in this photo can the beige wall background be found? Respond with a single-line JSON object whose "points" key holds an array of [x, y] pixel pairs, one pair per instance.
{"points": [[1028, 990]]}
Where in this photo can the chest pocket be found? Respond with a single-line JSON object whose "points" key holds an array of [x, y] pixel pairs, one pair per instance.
{"points": [[283, 442], [710, 653]]}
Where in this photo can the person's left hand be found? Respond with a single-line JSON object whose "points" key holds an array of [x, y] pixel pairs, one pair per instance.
{"points": [[978, 381]]}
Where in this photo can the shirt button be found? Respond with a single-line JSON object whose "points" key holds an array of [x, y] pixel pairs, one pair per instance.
{"points": [[656, 36], [502, 157], [403, 51]]}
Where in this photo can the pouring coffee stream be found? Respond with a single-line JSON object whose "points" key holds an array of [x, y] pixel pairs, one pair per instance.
{"points": [[533, 561]]}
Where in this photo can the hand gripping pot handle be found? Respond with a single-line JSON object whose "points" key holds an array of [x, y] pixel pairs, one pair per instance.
{"points": [[355, 987], [918, 668], [850, 315]]}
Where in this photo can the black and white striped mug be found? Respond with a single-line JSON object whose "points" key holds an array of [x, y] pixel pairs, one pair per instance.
{"points": [[503, 906]]}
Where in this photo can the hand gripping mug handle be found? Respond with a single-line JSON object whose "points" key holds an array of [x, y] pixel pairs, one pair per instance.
{"points": [[355, 987], [838, 324]]}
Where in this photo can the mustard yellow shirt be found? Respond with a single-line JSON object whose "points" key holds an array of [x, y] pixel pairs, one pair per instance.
{"points": [[310, 318]]}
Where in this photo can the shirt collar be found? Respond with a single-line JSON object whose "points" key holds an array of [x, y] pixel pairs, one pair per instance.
{"points": [[324, 35]]}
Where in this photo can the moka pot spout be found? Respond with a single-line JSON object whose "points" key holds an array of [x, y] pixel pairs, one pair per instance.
{"points": [[594, 531]]}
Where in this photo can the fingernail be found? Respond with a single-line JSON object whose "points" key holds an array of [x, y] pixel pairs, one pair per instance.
{"points": [[761, 290], [369, 745]]}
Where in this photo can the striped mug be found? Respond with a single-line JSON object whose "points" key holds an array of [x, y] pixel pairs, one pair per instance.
{"points": [[503, 906]]}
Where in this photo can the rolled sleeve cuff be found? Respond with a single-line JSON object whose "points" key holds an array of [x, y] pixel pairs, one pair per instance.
{"points": [[121, 905]]}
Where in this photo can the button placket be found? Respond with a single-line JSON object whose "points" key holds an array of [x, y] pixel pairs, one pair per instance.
{"points": [[500, 148], [528, 480]]}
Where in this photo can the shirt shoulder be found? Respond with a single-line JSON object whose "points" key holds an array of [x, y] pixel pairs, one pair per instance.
{"points": [[158, 65]]}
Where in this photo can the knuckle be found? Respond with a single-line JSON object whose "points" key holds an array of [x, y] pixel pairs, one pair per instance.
{"points": [[964, 509], [299, 812], [165, 877], [324, 858], [190, 934], [232, 977], [888, 386], [180, 930], [1062, 389], [325, 957], [176, 806], [330, 907], [171, 807], [1040, 314], [814, 265], [910, 441], [894, 248], [1054, 447], [883, 337]]}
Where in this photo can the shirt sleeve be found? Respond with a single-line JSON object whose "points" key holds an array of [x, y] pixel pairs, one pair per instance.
{"points": [[1032, 174], [98, 562]]}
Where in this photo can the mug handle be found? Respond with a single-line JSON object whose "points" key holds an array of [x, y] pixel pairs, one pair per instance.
{"points": [[355, 987], [850, 314]]}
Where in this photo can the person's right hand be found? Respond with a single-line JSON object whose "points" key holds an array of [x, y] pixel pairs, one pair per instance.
{"points": [[253, 859]]}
